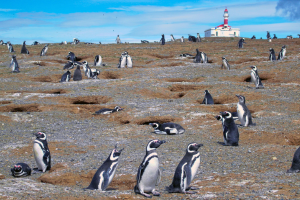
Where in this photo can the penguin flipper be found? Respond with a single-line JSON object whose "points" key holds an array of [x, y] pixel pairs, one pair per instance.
{"points": [[158, 177], [105, 181]]}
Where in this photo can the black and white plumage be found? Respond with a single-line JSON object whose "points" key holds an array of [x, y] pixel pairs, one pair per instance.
{"points": [[1, 42], [90, 73], [198, 38], [282, 53], [289, 37], [149, 174], [97, 60], [168, 128], [106, 111], [295, 168], [35, 43], [75, 41], [77, 73], [41, 152], [172, 38], [10, 47], [14, 64], [253, 37], [20, 169], [272, 56], [186, 55], [198, 56], [69, 65], [225, 63], [241, 43], [182, 39], [71, 56], [268, 35], [144, 41], [230, 129], [66, 77], [162, 40], [186, 170], [125, 60], [243, 112], [255, 78], [106, 171], [118, 40], [192, 38], [274, 37], [44, 50], [24, 50], [207, 98]]}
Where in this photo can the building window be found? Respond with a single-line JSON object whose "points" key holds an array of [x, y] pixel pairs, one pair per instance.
{"points": [[216, 33], [234, 33]]}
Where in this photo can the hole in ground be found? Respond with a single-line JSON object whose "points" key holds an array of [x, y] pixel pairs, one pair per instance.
{"points": [[262, 77], [20, 108], [90, 100], [159, 119]]}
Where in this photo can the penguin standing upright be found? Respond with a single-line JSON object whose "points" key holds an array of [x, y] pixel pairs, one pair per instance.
{"points": [[182, 39], [172, 38], [241, 43], [86, 69], [295, 168], [230, 129], [268, 35], [198, 37], [24, 50], [14, 64], [186, 170], [207, 98], [274, 37], [225, 63], [71, 56], [10, 47], [282, 53], [272, 56], [168, 128], [118, 40], [125, 60], [106, 171], [97, 60], [20, 169], [243, 112], [255, 78], [66, 77], [198, 56], [204, 58], [44, 50], [41, 152], [148, 173], [128, 61], [77, 73], [162, 40]]}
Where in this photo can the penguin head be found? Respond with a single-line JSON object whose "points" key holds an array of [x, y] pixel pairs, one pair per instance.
{"points": [[218, 117], [40, 135], [193, 147], [241, 98], [154, 144], [253, 67], [225, 115], [114, 155], [206, 92], [85, 62], [24, 42], [118, 108], [17, 168], [155, 125], [223, 58]]}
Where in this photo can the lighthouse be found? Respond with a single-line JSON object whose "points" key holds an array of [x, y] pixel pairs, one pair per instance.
{"points": [[223, 30]]}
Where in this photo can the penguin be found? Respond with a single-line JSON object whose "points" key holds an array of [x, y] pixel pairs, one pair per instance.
{"points": [[241, 43], [182, 39], [192, 38], [86, 69], [282, 53], [123, 60], [94, 73], [186, 55], [20, 169], [295, 168], [168, 128], [230, 129], [272, 56], [66, 77], [198, 56], [243, 112], [268, 35], [75, 41], [69, 65], [106, 171], [225, 63], [1, 42], [253, 37], [118, 40], [172, 38], [97, 60], [128, 61], [24, 49], [162, 40], [274, 37], [204, 58], [198, 38], [108, 111], [35, 43], [270, 40], [41, 152], [186, 170], [77, 73], [144, 41], [149, 173], [71, 56], [255, 78], [10, 47], [14, 64], [207, 98], [44, 50]]}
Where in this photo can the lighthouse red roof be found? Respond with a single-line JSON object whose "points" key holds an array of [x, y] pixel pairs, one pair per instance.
{"points": [[226, 10]]}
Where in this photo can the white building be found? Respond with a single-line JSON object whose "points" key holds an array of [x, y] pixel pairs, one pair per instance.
{"points": [[223, 30]]}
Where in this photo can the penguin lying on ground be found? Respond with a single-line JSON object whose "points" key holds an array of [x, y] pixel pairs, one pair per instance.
{"points": [[255, 78], [148, 173], [295, 168], [41, 152], [243, 112], [207, 98], [106, 171], [21, 169], [168, 128], [108, 110], [186, 170], [230, 129], [14, 64]]}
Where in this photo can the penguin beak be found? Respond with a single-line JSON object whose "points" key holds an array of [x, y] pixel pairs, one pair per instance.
{"points": [[237, 95], [162, 141], [218, 117], [199, 145], [120, 150]]}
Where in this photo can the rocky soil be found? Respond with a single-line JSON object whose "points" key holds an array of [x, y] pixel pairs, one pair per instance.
{"points": [[162, 86]]}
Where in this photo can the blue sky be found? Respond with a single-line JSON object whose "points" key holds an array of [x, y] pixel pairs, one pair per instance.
{"points": [[103, 20]]}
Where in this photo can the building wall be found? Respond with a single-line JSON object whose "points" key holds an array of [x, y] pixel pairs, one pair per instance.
{"points": [[219, 32]]}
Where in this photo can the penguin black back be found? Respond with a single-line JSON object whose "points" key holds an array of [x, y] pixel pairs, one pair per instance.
{"points": [[207, 98], [295, 168], [77, 74], [24, 49]]}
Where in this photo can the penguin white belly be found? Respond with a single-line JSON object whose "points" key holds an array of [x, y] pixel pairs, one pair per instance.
{"points": [[113, 172], [283, 53], [38, 155], [195, 166], [150, 175], [123, 62], [240, 112], [253, 77]]}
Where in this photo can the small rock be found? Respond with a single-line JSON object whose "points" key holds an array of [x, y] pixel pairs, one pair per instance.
{"points": [[274, 158]]}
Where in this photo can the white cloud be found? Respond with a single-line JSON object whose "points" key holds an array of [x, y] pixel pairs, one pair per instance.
{"points": [[7, 10]]}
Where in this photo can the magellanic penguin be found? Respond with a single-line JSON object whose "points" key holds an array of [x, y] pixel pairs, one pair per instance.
{"points": [[66, 77], [225, 63], [268, 35], [186, 170], [106, 111], [204, 57], [243, 112], [272, 56], [118, 40], [41, 152], [230, 129], [20, 169], [10, 47], [71, 56], [274, 37], [69, 65], [24, 49], [149, 173], [14, 64], [97, 60], [241, 43], [125, 60], [255, 78], [198, 37], [106, 171], [172, 38], [162, 40], [207, 98], [282, 53], [44, 50], [182, 39], [198, 56], [168, 128], [77, 73], [295, 168]]}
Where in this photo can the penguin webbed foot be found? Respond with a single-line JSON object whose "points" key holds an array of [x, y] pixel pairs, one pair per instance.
{"points": [[192, 188], [222, 143], [155, 193]]}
